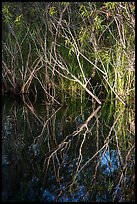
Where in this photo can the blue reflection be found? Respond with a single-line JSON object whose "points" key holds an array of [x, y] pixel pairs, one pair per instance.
{"points": [[109, 161], [47, 196]]}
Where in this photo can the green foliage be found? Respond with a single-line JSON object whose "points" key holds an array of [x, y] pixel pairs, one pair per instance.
{"points": [[18, 21], [6, 13], [105, 56], [98, 23], [110, 5], [83, 37], [30, 23], [64, 3], [83, 11], [70, 46], [52, 11]]}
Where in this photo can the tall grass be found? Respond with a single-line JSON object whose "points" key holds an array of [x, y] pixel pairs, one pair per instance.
{"points": [[70, 47], [66, 52]]}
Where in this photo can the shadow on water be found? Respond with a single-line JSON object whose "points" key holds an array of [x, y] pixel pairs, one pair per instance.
{"points": [[75, 153]]}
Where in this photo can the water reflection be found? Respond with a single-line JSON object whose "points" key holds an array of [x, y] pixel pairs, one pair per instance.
{"points": [[109, 161], [65, 154]]}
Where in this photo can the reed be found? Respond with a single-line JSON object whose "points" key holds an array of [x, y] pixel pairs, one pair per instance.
{"points": [[52, 47]]}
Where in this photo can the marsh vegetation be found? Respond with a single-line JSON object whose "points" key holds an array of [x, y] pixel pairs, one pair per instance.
{"points": [[68, 71]]}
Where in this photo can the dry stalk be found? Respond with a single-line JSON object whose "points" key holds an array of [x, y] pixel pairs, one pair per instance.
{"points": [[121, 179], [65, 143]]}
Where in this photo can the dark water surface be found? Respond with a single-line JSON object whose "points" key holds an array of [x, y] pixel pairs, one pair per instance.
{"points": [[77, 153]]}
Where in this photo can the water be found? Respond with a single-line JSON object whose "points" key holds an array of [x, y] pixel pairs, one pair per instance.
{"points": [[50, 153]]}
